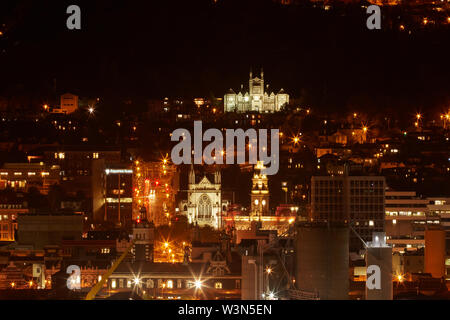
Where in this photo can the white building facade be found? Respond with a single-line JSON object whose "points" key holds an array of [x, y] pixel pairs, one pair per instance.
{"points": [[257, 99], [204, 203]]}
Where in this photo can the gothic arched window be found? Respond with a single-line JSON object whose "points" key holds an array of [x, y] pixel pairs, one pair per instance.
{"points": [[204, 207]]}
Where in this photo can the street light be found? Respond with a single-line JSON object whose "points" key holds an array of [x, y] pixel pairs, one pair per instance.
{"points": [[198, 284]]}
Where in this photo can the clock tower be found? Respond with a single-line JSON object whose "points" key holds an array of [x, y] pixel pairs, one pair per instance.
{"points": [[260, 192]]}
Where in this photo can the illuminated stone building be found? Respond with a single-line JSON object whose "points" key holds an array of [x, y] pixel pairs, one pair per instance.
{"points": [[260, 192], [204, 204], [256, 99], [259, 218]]}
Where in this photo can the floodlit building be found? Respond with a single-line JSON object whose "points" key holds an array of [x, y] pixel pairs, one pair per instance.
{"points": [[257, 99], [204, 205], [260, 192]]}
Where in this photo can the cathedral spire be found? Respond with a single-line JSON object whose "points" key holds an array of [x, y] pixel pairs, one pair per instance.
{"points": [[217, 177], [192, 175]]}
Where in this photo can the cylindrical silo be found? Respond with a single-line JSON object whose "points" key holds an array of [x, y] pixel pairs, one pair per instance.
{"points": [[379, 260], [322, 260]]}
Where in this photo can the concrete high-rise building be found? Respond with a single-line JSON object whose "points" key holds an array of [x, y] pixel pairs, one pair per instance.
{"points": [[358, 200], [112, 193]]}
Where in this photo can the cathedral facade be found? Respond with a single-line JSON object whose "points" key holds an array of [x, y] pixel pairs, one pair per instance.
{"points": [[204, 204], [257, 99]]}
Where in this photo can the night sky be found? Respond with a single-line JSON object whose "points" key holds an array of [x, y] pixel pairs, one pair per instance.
{"points": [[153, 49]]}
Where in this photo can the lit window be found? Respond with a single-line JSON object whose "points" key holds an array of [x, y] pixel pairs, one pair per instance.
{"points": [[170, 284], [113, 284], [129, 284], [17, 173], [394, 221], [218, 285], [95, 155], [61, 155], [371, 223]]}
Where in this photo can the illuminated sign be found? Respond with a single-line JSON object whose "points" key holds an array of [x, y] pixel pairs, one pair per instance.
{"points": [[118, 171]]}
